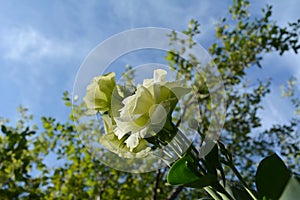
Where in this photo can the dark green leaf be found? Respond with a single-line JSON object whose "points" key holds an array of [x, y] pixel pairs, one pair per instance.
{"points": [[212, 161], [3, 129], [203, 181], [271, 177]]}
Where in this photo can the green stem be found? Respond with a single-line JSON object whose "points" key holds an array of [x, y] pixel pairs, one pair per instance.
{"points": [[239, 176], [222, 191], [213, 193]]}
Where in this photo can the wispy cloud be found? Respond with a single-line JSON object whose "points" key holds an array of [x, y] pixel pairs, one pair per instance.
{"points": [[277, 110], [28, 44]]}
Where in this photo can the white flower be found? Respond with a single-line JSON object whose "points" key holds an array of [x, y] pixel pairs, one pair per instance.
{"points": [[145, 112], [111, 142]]}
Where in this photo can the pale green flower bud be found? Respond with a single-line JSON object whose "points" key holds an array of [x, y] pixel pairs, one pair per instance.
{"points": [[99, 93]]}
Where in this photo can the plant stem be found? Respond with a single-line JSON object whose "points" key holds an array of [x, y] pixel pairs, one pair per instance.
{"points": [[213, 193], [222, 191], [239, 176]]}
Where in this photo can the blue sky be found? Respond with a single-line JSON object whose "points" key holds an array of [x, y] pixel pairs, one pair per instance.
{"points": [[43, 43]]}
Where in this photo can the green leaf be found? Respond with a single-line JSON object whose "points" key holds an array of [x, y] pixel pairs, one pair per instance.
{"points": [[291, 191], [3, 129], [68, 103], [203, 181], [184, 172], [271, 177], [212, 161]]}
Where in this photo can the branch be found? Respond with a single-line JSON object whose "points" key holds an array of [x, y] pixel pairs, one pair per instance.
{"points": [[175, 193], [155, 185]]}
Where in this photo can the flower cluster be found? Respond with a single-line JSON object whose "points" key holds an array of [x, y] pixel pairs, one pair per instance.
{"points": [[130, 119]]}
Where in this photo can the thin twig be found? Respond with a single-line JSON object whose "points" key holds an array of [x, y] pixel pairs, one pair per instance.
{"points": [[175, 193], [155, 186]]}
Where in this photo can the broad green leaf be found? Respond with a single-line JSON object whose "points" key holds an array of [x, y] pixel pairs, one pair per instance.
{"points": [[291, 191], [271, 177], [182, 171]]}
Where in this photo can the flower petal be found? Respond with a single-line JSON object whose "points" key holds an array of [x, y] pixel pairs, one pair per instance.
{"points": [[132, 141], [143, 101], [159, 75]]}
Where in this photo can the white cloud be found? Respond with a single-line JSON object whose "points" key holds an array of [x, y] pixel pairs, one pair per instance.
{"points": [[28, 44], [277, 110]]}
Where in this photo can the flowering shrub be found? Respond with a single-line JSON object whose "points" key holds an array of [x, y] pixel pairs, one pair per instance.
{"points": [[138, 123]]}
